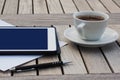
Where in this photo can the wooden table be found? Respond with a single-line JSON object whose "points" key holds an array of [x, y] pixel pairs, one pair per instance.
{"points": [[101, 63]]}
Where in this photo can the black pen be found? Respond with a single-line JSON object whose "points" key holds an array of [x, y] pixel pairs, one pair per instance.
{"points": [[38, 66]]}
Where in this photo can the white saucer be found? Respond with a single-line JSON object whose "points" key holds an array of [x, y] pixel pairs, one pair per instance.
{"points": [[109, 36]]}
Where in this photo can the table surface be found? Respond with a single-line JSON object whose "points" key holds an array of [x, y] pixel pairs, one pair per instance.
{"points": [[86, 62]]}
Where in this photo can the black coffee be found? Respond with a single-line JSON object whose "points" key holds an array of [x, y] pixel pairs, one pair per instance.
{"points": [[90, 18]]}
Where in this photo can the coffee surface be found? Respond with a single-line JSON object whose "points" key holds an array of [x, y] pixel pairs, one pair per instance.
{"points": [[90, 18]]}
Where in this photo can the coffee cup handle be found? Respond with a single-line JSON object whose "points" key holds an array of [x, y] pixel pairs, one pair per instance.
{"points": [[80, 26]]}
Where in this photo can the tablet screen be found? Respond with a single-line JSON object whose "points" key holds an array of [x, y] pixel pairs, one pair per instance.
{"points": [[23, 39]]}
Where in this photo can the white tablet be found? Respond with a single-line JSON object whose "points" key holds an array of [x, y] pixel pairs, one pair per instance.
{"points": [[27, 39]]}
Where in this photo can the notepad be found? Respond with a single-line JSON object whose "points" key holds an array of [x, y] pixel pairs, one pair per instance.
{"points": [[7, 62], [3, 23]]}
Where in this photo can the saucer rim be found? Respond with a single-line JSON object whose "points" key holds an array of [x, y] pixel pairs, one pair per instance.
{"points": [[94, 44]]}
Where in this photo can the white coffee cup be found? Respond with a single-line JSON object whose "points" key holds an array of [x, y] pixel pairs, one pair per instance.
{"points": [[90, 29]]}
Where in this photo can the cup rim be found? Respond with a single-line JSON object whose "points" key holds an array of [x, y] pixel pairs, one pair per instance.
{"points": [[97, 12]]}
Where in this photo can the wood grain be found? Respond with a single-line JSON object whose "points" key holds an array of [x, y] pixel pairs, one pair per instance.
{"points": [[68, 7], [25, 7], [70, 53], [112, 53], [49, 19], [40, 7], [94, 60], [67, 77], [54, 6], [4, 74], [117, 2], [1, 5], [82, 5], [111, 6], [11, 7], [97, 6]]}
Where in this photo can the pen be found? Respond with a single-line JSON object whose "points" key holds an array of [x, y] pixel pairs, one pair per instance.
{"points": [[39, 66]]}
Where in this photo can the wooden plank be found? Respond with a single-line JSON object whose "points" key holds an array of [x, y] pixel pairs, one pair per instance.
{"points": [[111, 6], [11, 7], [67, 77], [50, 71], [68, 6], [40, 7], [1, 5], [94, 60], [117, 2], [54, 6], [97, 6], [112, 53], [70, 53], [49, 19], [5, 74], [82, 5], [25, 7]]}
